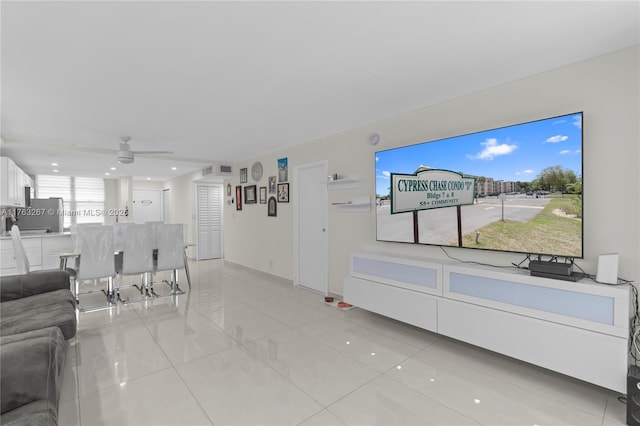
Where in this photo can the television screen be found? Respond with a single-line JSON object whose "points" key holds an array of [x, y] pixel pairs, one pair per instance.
{"points": [[514, 189]]}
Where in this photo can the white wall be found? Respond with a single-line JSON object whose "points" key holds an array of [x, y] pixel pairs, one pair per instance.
{"points": [[183, 204], [147, 184], [251, 237], [110, 199], [607, 90]]}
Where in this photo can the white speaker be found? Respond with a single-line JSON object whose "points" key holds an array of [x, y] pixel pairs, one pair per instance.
{"points": [[607, 268]]}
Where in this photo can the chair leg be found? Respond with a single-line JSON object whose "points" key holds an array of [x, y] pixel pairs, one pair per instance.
{"points": [[76, 286], [112, 296], [110, 293], [152, 293], [172, 283], [175, 288], [186, 268], [147, 285]]}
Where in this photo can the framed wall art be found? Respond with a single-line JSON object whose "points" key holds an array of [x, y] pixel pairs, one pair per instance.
{"points": [[272, 208], [263, 195], [283, 192], [250, 194], [238, 197], [243, 175], [283, 170], [272, 184]]}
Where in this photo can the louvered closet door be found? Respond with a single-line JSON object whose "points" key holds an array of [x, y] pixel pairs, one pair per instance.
{"points": [[209, 244]]}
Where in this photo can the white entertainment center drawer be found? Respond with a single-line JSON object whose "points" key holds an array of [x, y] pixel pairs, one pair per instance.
{"points": [[593, 357], [576, 328], [404, 305], [405, 272], [588, 305]]}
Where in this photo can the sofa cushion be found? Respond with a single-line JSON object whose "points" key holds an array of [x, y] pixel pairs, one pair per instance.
{"points": [[36, 282], [38, 413], [54, 308], [31, 366]]}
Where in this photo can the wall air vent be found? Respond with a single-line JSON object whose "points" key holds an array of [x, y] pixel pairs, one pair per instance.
{"points": [[217, 170]]}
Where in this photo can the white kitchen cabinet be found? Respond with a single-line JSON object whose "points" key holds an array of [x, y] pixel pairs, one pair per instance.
{"points": [[14, 179], [33, 247]]}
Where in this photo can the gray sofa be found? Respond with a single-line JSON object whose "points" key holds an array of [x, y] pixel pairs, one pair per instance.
{"points": [[37, 318]]}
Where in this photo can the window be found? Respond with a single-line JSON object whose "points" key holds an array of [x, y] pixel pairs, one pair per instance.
{"points": [[82, 197]]}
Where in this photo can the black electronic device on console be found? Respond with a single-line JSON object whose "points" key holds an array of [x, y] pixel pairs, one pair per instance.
{"points": [[554, 269]]}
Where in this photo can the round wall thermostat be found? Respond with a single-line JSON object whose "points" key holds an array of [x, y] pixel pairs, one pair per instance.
{"points": [[374, 139]]}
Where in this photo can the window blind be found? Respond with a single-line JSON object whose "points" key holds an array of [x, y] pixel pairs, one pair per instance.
{"points": [[82, 197]]}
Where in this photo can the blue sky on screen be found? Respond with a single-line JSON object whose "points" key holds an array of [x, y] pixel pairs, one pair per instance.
{"points": [[513, 153]]}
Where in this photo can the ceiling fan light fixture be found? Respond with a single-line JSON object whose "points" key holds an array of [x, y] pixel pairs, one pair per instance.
{"points": [[125, 157]]}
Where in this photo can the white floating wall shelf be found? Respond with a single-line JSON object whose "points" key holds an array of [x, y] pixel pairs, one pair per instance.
{"points": [[343, 182], [358, 203]]}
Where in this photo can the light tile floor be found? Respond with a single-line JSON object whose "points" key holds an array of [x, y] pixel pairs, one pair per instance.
{"points": [[241, 348]]}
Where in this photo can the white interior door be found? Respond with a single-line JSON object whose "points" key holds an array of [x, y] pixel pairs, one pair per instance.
{"points": [[209, 221], [311, 226], [147, 205]]}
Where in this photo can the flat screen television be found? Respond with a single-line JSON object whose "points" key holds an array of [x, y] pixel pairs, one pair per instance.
{"points": [[512, 189]]}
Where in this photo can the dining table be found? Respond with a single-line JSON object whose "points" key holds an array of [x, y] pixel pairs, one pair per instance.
{"points": [[66, 255]]}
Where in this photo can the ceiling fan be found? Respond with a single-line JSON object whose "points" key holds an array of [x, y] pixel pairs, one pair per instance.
{"points": [[126, 155]]}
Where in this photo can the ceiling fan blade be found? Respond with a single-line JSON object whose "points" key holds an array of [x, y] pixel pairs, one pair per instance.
{"points": [[152, 152], [58, 146]]}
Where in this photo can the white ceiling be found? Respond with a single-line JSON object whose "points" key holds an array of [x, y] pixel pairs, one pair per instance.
{"points": [[220, 82]]}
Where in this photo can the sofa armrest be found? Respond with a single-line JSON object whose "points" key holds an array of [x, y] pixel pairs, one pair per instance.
{"points": [[31, 365], [18, 286]]}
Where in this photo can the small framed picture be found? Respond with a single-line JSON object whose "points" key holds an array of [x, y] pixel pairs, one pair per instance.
{"points": [[250, 194], [283, 170], [272, 184], [283, 192], [243, 175], [263, 195], [229, 190], [238, 197], [272, 208]]}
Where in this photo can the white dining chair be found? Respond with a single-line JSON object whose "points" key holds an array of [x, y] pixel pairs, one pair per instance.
{"points": [[95, 244], [170, 238], [154, 228], [19, 253], [137, 244]]}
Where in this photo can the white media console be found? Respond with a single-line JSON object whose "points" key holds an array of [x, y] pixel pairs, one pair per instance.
{"points": [[580, 329]]}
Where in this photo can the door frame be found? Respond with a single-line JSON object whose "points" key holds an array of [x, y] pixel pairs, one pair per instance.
{"points": [[296, 222]]}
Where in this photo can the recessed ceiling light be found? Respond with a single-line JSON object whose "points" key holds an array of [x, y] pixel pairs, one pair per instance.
{"points": [[174, 168], [107, 173], [54, 164], [148, 178], [55, 170], [112, 168]]}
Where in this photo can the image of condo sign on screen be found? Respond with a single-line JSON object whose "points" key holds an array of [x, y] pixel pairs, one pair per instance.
{"points": [[512, 189]]}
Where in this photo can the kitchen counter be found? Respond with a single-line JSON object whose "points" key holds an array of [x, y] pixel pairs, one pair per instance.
{"points": [[39, 234], [42, 250]]}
